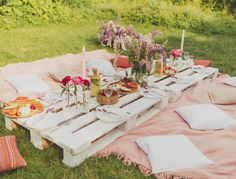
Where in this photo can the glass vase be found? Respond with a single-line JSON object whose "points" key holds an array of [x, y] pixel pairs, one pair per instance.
{"points": [[66, 97], [141, 79], [84, 101]]}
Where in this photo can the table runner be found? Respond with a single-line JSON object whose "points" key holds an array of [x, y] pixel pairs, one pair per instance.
{"points": [[219, 146]]}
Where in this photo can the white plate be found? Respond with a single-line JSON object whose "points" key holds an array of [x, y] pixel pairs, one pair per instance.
{"points": [[120, 113], [152, 93]]}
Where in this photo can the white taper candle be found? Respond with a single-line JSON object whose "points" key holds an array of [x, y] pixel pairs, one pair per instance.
{"points": [[182, 40], [83, 63]]}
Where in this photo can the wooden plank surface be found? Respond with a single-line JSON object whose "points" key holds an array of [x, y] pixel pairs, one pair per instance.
{"points": [[96, 128]]}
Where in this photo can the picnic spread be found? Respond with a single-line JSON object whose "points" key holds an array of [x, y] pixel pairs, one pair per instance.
{"points": [[86, 105]]}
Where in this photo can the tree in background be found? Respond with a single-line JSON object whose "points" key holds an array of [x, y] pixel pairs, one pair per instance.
{"points": [[3, 2], [229, 5]]}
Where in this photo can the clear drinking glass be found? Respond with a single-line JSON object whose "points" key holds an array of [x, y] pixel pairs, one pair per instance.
{"points": [[108, 92], [186, 55], [190, 60], [85, 101]]}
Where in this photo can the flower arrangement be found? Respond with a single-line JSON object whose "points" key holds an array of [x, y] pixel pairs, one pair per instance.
{"points": [[176, 53], [113, 35], [142, 51], [68, 84]]}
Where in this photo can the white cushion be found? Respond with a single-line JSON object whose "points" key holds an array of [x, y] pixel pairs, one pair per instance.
{"points": [[205, 117], [174, 152], [104, 66], [222, 95], [230, 81], [28, 83]]}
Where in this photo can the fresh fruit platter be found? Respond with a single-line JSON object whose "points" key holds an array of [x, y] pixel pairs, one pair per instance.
{"points": [[169, 71], [126, 86], [22, 107]]}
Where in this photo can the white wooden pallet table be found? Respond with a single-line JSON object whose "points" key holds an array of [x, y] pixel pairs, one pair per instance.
{"points": [[56, 120], [87, 134], [81, 135]]}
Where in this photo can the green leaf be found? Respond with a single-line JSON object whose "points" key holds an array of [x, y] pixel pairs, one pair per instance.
{"points": [[75, 90], [63, 91]]}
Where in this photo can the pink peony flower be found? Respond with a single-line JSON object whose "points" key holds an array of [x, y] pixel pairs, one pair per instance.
{"points": [[65, 80], [176, 53], [77, 80], [85, 82]]}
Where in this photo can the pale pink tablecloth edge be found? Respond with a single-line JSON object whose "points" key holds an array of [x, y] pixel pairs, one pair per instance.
{"points": [[167, 122]]}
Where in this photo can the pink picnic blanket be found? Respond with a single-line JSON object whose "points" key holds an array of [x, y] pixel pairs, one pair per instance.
{"points": [[219, 146], [42, 67]]}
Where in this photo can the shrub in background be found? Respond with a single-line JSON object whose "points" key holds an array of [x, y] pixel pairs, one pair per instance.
{"points": [[193, 15], [17, 12]]}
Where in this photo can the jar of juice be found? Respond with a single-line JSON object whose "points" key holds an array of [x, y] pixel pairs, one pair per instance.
{"points": [[159, 67], [94, 83]]}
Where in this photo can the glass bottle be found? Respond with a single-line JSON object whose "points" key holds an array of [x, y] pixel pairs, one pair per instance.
{"points": [[94, 83], [159, 67]]}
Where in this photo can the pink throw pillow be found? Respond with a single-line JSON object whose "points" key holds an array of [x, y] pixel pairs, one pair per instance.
{"points": [[205, 63], [122, 62], [10, 157]]}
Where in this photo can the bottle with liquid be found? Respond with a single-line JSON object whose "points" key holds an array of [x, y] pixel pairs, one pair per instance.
{"points": [[94, 83], [159, 67]]}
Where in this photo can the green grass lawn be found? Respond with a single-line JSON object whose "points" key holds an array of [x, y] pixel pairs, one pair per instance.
{"points": [[32, 43]]}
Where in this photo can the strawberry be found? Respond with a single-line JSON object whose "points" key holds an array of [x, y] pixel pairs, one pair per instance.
{"points": [[32, 107]]}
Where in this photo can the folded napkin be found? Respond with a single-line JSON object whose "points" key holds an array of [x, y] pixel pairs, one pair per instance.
{"points": [[223, 95], [28, 84], [111, 113], [182, 80], [173, 94], [201, 69], [152, 92]]}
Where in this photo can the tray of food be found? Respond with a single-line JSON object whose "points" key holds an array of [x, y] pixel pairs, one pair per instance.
{"points": [[22, 107], [126, 86], [169, 71]]}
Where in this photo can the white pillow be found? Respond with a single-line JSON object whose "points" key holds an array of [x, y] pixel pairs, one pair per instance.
{"points": [[230, 81], [104, 66], [28, 83], [174, 152], [205, 117]]}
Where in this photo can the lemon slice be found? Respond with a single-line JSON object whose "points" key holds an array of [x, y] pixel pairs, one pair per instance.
{"points": [[12, 106]]}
